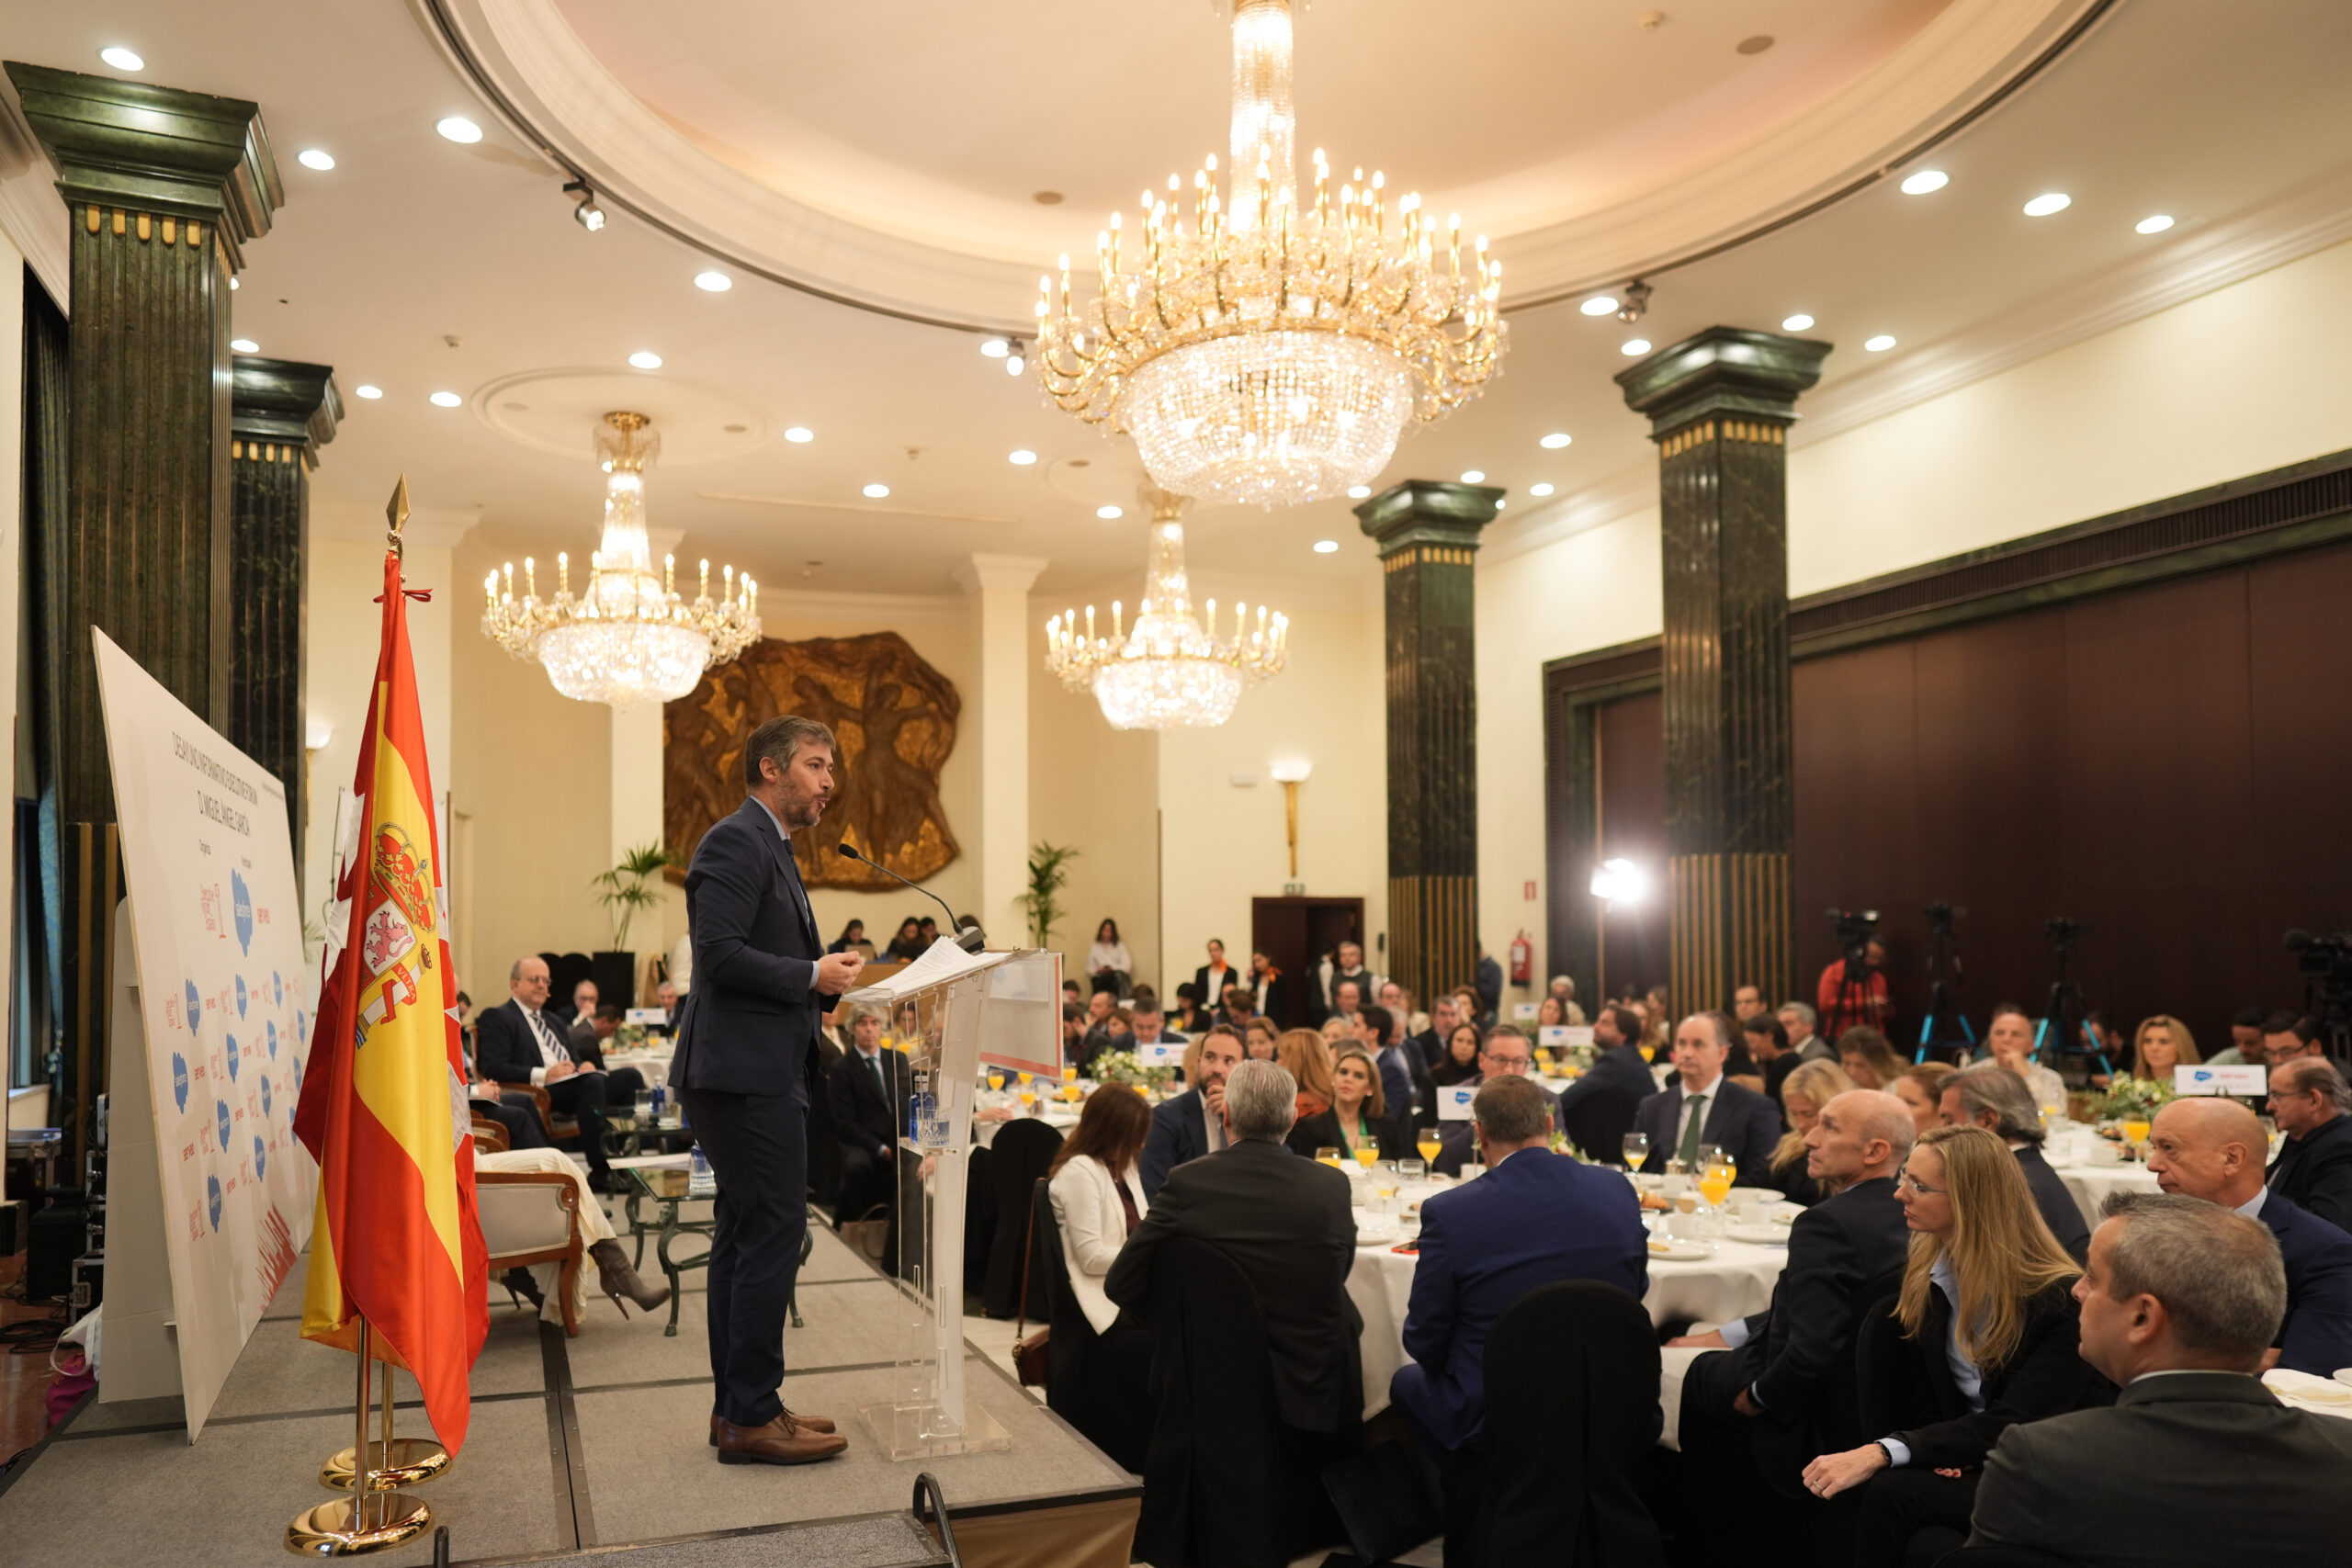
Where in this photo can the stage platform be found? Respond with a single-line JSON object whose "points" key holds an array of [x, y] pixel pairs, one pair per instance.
{"points": [[577, 1444]]}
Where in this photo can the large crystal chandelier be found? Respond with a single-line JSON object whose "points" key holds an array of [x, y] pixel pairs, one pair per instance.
{"points": [[631, 636], [1170, 672], [1261, 353]]}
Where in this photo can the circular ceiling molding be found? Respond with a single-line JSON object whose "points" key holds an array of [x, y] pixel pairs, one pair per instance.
{"points": [[557, 410]]}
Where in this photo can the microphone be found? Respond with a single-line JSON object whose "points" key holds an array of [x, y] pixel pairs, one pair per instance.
{"points": [[970, 938]]}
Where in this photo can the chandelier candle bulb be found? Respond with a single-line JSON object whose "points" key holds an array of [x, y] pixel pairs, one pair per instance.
{"points": [[563, 574]]}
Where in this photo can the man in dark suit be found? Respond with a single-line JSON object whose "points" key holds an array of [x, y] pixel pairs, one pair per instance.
{"points": [[745, 1071], [1704, 1107], [588, 1034], [1194, 1124], [1751, 1413], [1378, 1028], [2313, 1170], [1347, 963], [1505, 1054], [1534, 1219], [1210, 979], [1429, 1045], [2193, 1293], [1284, 1222], [1617, 1072], [865, 1094], [2210, 1147], [521, 1044], [1990, 1096]]}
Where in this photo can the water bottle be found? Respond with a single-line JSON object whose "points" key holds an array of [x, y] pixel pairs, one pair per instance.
{"points": [[700, 1179]]}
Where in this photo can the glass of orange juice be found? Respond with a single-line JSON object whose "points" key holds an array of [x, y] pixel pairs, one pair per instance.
{"points": [[1649, 1053], [1715, 1184], [1026, 1077], [1327, 1155], [2136, 1129], [1367, 1155], [1028, 1097], [1429, 1145], [1069, 1075], [996, 1080]]}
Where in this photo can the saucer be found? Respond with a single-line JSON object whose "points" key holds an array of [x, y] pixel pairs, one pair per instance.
{"points": [[1680, 1251], [1760, 1235]]}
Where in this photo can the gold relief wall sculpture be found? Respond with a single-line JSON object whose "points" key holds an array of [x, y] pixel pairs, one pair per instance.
{"points": [[893, 717]]}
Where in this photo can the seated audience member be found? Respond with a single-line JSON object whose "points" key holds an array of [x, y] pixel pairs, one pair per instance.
{"points": [[1426, 1048], [510, 1108], [1505, 1054], [926, 932], [2008, 1040], [1988, 1305], [1285, 1224], [2287, 1038], [1186, 1018], [1990, 1096], [2196, 1463], [2211, 1148], [1303, 1055], [1194, 1124], [588, 1034], [583, 1005], [2160, 1044], [1150, 1024], [616, 1277], [2245, 1043], [1868, 1059], [1379, 1030], [1357, 1117], [2314, 1170], [1240, 1008], [1551, 1012], [1749, 1411], [1074, 1050], [1806, 1091], [520, 1044], [1768, 1047], [1098, 1198], [1535, 1219], [1920, 1088], [908, 944], [1565, 989], [1617, 1066], [1459, 1057], [1347, 964], [1109, 965], [852, 940], [1338, 1032], [1347, 1001], [1747, 1002], [863, 1094], [1803, 1024], [1263, 1039], [665, 997], [1701, 1106]]}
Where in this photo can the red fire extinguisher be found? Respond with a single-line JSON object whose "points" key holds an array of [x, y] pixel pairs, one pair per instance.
{"points": [[1522, 960]]}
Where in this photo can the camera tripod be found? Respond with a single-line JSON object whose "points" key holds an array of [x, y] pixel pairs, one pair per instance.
{"points": [[2064, 1021], [1945, 1031]]}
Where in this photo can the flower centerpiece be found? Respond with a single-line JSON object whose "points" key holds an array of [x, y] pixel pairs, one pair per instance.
{"points": [[2134, 1098], [1127, 1067]]}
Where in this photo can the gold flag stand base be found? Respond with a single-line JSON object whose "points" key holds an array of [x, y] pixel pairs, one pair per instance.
{"points": [[344, 1526], [411, 1462]]}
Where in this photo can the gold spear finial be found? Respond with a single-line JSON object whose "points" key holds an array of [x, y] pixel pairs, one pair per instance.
{"points": [[396, 513]]}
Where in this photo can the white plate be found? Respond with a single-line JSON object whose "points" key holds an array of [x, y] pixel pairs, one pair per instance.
{"points": [[1760, 1235], [1678, 1251]]}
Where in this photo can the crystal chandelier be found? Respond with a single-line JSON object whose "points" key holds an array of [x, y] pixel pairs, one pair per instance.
{"points": [[629, 637], [1260, 354], [1170, 672]]}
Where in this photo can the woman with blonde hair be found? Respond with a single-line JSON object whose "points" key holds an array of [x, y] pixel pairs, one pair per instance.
{"points": [[1868, 1059], [1259, 1036], [1302, 1053], [2160, 1044], [1987, 1307], [1802, 1094], [1358, 1117]]}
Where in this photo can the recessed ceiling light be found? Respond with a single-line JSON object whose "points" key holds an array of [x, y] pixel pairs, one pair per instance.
{"points": [[1632, 345], [1022, 458], [446, 400], [457, 128], [1600, 305], [1925, 181], [244, 346], [1109, 514], [2043, 206], [1047, 198], [646, 359], [1796, 324], [2155, 225], [876, 491], [1755, 45], [122, 59], [994, 349], [370, 393], [314, 158], [1556, 440], [1356, 492], [1473, 476], [713, 282], [1541, 490], [1878, 344], [799, 435], [1326, 546]]}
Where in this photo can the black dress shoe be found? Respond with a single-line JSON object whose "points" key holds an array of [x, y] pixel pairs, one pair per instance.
{"points": [[606, 1182]]}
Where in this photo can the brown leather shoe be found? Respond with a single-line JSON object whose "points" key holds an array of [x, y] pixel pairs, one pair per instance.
{"points": [[811, 1423], [781, 1441]]}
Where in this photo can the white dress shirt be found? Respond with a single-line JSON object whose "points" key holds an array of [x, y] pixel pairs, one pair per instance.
{"points": [[1967, 1374], [548, 1038]]}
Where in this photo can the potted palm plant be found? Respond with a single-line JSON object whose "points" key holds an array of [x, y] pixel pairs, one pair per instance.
{"points": [[624, 891], [1049, 873]]}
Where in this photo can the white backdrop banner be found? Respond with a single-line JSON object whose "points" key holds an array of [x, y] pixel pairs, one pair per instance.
{"points": [[218, 930]]}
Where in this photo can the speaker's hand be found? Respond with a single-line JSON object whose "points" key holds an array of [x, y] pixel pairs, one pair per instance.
{"points": [[836, 971]]}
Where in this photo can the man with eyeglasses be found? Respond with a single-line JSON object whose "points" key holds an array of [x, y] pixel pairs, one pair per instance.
{"points": [[1507, 1054], [2309, 1099]]}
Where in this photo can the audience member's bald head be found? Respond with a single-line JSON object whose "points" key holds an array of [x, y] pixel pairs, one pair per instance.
{"points": [[2210, 1147], [1862, 1135]]}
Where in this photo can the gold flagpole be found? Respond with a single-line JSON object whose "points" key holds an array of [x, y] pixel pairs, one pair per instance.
{"points": [[375, 1515]]}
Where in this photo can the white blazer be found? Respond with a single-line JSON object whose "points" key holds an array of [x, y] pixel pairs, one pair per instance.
{"points": [[1094, 1227]]}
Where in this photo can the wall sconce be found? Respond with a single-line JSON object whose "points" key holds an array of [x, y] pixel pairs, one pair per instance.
{"points": [[1289, 774], [1618, 882]]}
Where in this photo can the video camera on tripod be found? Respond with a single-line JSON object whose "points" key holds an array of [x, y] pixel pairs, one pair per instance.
{"points": [[1855, 930], [2325, 964], [2061, 1038]]}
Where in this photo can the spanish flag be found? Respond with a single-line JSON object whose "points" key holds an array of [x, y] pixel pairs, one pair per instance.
{"points": [[383, 1107]]}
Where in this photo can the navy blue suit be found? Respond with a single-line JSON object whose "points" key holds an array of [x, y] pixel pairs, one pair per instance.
{"points": [[1178, 1133], [1455, 1140], [2317, 1335], [1534, 1219], [1621, 1068], [745, 1069], [1739, 1121]]}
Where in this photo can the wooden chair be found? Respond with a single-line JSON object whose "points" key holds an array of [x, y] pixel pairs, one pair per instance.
{"points": [[559, 1127], [489, 1137], [533, 1217]]}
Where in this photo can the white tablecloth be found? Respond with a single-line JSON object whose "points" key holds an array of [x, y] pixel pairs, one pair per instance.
{"points": [[2090, 1184], [653, 1065]]}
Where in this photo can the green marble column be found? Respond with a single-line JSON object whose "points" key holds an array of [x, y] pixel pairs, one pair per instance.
{"points": [[1427, 536], [164, 189], [283, 412], [1720, 405]]}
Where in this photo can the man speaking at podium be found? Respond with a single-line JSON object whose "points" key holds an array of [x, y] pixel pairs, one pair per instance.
{"points": [[745, 1069]]}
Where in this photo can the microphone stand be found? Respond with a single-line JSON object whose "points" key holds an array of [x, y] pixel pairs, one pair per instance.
{"points": [[970, 938]]}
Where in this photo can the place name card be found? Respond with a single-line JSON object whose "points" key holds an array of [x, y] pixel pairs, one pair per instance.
{"points": [[2205, 1077], [1454, 1102]]}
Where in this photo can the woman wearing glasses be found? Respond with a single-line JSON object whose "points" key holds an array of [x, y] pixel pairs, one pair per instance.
{"points": [[1983, 1336]]}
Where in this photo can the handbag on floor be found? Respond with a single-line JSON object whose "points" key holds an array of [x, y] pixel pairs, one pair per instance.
{"points": [[1029, 1355], [871, 1234]]}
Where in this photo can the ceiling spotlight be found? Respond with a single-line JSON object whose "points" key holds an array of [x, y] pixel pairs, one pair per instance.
{"points": [[1925, 181], [1634, 345], [459, 129], [1355, 493], [1636, 302], [713, 282], [369, 392], [1556, 440], [313, 158], [876, 491], [446, 400], [1501, 502], [1600, 305], [1109, 514], [2155, 225], [1473, 476], [1539, 490], [1796, 324], [994, 349], [589, 216], [1326, 546], [244, 346], [799, 435], [2049, 202], [1014, 361], [646, 359], [1022, 458], [1878, 344], [122, 59]]}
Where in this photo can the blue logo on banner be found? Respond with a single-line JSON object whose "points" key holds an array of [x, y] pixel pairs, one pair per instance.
{"points": [[179, 1079], [260, 1162], [232, 1058], [221, 1108], [276, 988], [269, 1034], [241, 900], [298, 1075], [194, 1006], [212, 1199], [265, 1097], [241, 996], [301, 1026]]}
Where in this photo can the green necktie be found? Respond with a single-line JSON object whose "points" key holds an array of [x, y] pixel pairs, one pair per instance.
{"points": [[1693, 1134]]}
